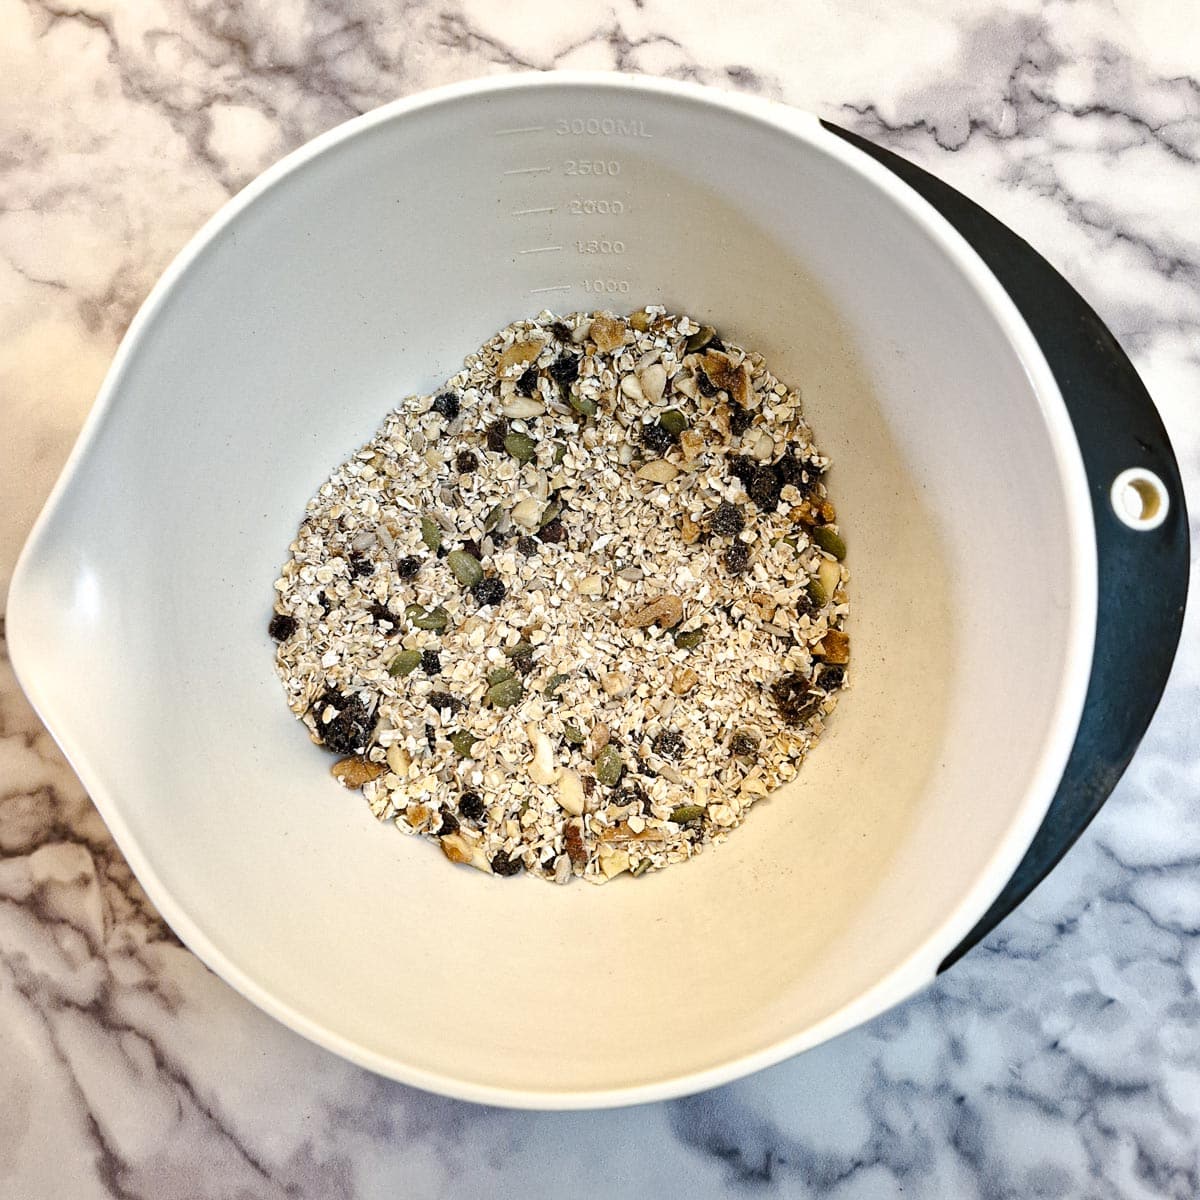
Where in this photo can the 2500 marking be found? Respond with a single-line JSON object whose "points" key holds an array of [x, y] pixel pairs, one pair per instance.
{"points": [[593, 166], [580, 207]]}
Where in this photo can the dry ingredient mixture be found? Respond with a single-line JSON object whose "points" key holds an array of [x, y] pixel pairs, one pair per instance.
{"points": [[577, 611]]}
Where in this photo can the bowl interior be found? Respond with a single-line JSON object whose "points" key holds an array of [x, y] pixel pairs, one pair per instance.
{"points": [[366, 271]]}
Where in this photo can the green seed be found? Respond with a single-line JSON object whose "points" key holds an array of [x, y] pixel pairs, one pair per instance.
{"points": [[641, 868], [428, 618], [493, 518], [431, 533], [690, 639], [700, 338], [500, 675], [560, 452], [520, 650], [555, 682], [463, 743], [573, 735], [553, 511], [685, 814], [673, 421], [465, 567], [583, 406], [521, 446], [609, 767], [505, 694], [822, 586], [405, 663], [830, 541]]}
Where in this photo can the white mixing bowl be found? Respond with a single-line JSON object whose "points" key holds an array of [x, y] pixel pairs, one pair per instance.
{"points": [[364, 267]]}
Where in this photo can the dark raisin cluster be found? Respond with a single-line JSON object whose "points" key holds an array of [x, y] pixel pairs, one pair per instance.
{"points": [[348, 731]]}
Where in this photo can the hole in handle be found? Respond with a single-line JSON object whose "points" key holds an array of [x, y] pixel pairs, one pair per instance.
{"points": [[1140, 499]]}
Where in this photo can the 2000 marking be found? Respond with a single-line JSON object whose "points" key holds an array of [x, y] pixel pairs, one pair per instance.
{"points": [[586, 208], [590, 166], [600, 246], [610, 286]]}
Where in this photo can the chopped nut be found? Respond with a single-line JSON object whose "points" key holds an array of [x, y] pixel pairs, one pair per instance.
{"points": [[456, 848], [614, 683], [570, 791], [689, 531], [613, 860], [654, 382], [691, 442], [596, 740], [658, 470], [522, 407], [519, 354], [591, 585], [527, 514], [665, 611], [684, 680], [354, 772], [542, 768]]}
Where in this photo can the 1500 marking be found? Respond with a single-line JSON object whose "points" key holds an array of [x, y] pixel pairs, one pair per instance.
{"points": [[600, 246]]}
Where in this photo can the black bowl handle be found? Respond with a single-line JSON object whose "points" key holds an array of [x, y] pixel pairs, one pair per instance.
{"points": [[1143, 573]]}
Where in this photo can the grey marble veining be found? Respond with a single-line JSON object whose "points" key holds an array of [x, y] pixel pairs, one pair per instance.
{"points": [[1062, 1058]]}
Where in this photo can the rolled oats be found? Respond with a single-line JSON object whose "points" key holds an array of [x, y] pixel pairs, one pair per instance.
{"points": [[514, 605]]}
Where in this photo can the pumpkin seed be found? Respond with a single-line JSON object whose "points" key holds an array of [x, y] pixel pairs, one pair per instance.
{"points": [[463, 742], [700, 338], [465, 567], [573, 735], [830, 541], [505, 693], [583, 405], [500, 675], [431, 533], [609, 767], [427, 618], [405, 663], [521, 446], [689, 639], [555, 682], [520, 650], [674, 422], [685, 814]]}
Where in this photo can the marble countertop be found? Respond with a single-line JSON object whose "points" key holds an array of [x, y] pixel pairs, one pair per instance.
{"points": [[1061, 1058]]}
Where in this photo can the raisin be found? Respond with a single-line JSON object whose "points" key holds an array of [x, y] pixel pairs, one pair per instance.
{"points": [[728, 520], [431, 662], [497, 431], [737, 558], [656, 439], [564, 370], [743, 745], [740, 419], [443, 700], [793, 697], [282, 627], [431, 738], [360, 566], [473, 548], [326, 603], [561, 330], [466, 461], [527, 545], [832, 677], [764, 489], [706, 385], [408, 566], [449, 823], [715, 343], [488, 591], [447, 404], [804, 605], [668, 744], [346, 733], [470, 805], [634, 794], [380, 613], [505, 866], [528, 381], [742, 468], [524, 664], [553, 531]]}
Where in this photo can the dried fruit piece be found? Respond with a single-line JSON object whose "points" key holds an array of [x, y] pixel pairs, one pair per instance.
{"points": [[447, 405], [607, 332], [467, 462], [343, 722], [504, 866], [354, 772], [574, 844], [764, 488], [656, 438], [408, 566], [736, 558], [834, 647], [519, 354], [793, 697], [564, 370], [431, 662], [471, 806], [668, 744], [444, 702], [488, 591], [727, 519], [743, 745], [282, 627], [665, 611], [457, 849], [684, 680]]}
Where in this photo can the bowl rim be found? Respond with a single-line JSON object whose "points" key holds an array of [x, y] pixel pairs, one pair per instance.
{"points": [[920, 967]]}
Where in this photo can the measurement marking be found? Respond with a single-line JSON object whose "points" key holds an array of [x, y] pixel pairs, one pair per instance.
{"points": [[558, 287], [529, 171], [540, 250], [519, 129], [525, 212]]}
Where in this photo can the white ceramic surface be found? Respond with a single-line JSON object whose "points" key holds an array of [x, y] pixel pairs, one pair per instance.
{"points": [[365, 266]]}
